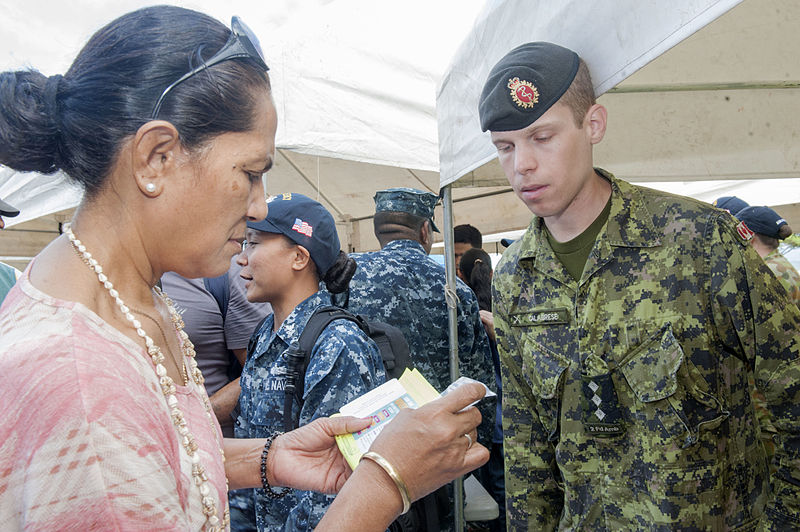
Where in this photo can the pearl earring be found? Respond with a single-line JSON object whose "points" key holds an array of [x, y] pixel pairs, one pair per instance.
{"points": [[150, 187]]}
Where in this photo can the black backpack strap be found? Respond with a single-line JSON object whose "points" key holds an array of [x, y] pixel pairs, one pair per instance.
{"points": [[253, 341], [299, 356], [220, 288]]}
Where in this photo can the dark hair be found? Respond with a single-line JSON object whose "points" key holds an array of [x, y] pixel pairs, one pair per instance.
{"points": [[476, 266], [467, 234], [338, 276], [770, 242], [79, 122], [396, 225], [580, 94]]}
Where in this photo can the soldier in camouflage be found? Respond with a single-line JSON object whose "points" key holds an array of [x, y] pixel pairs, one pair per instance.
{"points": [[628, 322], [769, 228], [280, 262]]}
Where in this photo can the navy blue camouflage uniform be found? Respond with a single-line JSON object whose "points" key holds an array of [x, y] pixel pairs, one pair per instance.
{"points": [[344, 365], [402, 286]]}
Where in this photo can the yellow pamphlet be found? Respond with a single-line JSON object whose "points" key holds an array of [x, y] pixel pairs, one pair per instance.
{"points": [[382, 404]]}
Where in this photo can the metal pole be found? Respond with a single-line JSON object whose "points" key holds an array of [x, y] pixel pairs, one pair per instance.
{"points": [[452, 322]]}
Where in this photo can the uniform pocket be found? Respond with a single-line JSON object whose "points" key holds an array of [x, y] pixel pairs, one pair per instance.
{"points": [[543, 371], [672, 393]]}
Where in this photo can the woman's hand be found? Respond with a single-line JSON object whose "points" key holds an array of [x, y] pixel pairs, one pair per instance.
{"points": [[308, 458], [427, 446]]}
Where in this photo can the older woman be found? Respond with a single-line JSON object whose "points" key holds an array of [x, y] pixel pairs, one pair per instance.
{"points": [[166, 119]]}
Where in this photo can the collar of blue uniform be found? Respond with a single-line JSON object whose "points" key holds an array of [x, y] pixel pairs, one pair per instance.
{"points": [[629, 222], [404, 244], [295, 322]]}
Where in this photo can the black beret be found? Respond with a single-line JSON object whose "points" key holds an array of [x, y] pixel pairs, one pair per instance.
{"points": [[524, 84]]}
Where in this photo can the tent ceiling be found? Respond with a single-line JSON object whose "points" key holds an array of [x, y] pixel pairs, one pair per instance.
{"points": [[658, 131], [721, 104]]}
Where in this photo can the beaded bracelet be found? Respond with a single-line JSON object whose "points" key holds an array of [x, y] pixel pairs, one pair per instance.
{"points": [[392, 472], [264, 482]]}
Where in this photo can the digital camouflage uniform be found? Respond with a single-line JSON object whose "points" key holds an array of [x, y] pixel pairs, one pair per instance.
{"points": [[786, 274], [402, 286], [790, 279], [344, 365], [626, 400]]}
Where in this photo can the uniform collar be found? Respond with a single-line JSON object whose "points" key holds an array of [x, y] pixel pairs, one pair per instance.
{"points": [[629, 224], [295, 322], [404, 244]]}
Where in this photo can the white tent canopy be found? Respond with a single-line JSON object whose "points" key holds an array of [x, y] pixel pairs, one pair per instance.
{"points": [[695, 92], [355, 83]]}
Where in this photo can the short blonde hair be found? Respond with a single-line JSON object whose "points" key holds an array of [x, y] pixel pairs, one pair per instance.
{"points": [[579, 97]]}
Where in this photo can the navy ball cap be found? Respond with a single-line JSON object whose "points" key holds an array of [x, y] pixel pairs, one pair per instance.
{"points": [[305, 222], [762, 220]]}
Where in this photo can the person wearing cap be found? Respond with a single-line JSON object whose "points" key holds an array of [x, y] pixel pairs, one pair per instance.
{"points": [[627, 323], [768, 229], [400, 285], [732, 204], [8, 274], [285, 257]]}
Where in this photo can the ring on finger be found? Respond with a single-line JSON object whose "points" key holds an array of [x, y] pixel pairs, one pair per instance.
{"points": [[469, 439]]}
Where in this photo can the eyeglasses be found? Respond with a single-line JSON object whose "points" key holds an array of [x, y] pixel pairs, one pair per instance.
{"points": [[241, 43]]}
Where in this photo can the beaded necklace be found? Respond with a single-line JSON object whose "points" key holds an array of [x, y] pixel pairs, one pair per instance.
{"points": [[213, 523]]}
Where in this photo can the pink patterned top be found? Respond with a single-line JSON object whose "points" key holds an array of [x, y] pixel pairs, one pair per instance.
{"points": [[86, 438]]}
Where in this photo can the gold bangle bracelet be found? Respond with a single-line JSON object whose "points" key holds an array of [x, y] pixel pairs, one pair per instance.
{"points": [[392, 472]]}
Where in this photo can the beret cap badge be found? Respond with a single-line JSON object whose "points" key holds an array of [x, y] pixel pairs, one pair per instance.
{"points": [[524, 93], [537, 74]]}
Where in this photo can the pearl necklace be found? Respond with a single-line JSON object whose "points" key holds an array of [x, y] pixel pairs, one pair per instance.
{"points": [[199, 476]]}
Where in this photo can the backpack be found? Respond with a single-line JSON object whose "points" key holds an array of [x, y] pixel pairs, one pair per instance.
{"points": [[391, 343], [424, 513]]}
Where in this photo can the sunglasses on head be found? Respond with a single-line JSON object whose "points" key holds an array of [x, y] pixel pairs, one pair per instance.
{"points": [[241, 43]]}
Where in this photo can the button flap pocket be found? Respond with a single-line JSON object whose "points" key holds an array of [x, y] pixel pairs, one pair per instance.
{"points": [[651, 369], [542, 369]]}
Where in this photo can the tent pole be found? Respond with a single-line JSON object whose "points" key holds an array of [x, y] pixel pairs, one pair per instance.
{"points": [[452, 321]]}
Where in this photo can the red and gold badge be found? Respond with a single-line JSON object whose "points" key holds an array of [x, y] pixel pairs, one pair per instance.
{"points": [[745, 232], [523, 93]]}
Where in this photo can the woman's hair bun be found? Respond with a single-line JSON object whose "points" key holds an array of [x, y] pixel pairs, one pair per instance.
{"points": [[29, 132], [338, 276]]}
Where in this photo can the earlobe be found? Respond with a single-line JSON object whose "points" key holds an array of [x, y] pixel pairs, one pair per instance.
{"points": [[597, 116], [426, 236], [153, 153]]}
